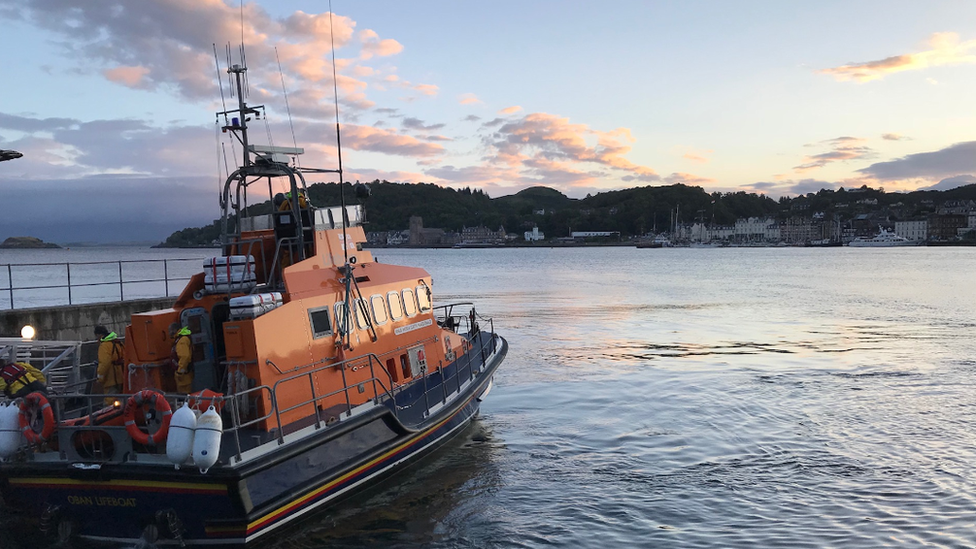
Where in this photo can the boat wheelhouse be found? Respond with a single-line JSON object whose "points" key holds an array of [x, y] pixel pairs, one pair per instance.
{"points": [[316, 370]]}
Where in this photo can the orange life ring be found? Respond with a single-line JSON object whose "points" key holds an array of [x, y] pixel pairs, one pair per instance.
{"points": [[32, 403], [159, 404]]}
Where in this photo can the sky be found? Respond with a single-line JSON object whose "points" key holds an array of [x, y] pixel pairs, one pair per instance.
{"points": [[112, 102]]}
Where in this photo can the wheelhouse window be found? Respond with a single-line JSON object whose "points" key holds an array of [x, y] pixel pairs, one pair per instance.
{"points": [[341, 320], [379, 309], [396, 307], [423, 298], [362, 314], [409, 302], [319, 319]]}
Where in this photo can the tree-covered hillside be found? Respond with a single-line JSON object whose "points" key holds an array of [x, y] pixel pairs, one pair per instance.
{"points": [[634, 211]]}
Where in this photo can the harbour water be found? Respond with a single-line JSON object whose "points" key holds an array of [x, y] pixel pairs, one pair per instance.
{"points": [[767, 397]]}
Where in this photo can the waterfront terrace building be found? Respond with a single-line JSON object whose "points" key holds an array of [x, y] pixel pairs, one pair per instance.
{"points": [[916, 230], [946, 227], [757, 229], [800, 230]]}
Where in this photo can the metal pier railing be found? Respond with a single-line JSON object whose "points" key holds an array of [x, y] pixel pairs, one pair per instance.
{"points": [[32, 278]]}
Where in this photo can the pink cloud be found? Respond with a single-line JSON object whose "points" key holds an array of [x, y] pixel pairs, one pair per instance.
{"points": [[368, 138], [427, 89], [468, 99], [842, 149], [510, 110], [132, 77], [689, 179], [945, 48], [373, 45]]}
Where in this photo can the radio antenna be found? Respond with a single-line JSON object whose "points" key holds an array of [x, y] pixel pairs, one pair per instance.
{"points": [[335, 91], [287, 108]]}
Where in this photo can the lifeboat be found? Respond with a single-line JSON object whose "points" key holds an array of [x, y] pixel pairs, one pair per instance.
{"points": [[313, 371]]}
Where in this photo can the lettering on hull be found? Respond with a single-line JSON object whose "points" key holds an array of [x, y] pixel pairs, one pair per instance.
{"points": [[412, 327]]}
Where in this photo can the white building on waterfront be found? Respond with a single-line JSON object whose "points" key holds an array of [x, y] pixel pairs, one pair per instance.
{"points": [[757, 229], [912, 230], [534, 235]]}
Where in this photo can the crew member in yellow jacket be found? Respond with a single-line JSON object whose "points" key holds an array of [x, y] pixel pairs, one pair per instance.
{"points": [[110, 362], [182, 357], [19, 379]]}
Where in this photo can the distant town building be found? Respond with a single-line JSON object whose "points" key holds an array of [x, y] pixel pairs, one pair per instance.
{"points": [[534, 235], [757, 229], [482, 235], [397, 238], [594, 234], [946, 227], [916, 230]]}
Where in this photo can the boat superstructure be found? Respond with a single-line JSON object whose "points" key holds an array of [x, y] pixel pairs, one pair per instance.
{"points": [[315, 370], [884, 239]]}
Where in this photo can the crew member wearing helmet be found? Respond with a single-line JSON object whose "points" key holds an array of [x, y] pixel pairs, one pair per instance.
{"points": [[182, 357], [110, 362], [19, 379], [286, 203]]}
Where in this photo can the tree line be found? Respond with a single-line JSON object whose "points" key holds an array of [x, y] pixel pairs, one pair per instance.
{"points": [[631, 212]]}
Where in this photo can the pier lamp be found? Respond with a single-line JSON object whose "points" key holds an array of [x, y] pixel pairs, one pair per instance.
{"points": [[28, 332]]}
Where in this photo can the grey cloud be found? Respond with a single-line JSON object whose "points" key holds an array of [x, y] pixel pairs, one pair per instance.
{"points": [[950, 161], [471, 118], [418, 124], [951, 183], [31, 125], [106, 208], [494, 123]]}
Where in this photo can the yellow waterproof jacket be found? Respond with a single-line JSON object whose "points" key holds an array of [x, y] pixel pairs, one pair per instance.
{"points": [[110, 361], [183, 351], [286, 205], [32, 374]]}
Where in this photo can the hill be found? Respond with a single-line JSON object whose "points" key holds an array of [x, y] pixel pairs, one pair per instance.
{"points": [[633, 211]]}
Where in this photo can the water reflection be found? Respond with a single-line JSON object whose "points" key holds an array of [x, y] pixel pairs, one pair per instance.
{"points": [[428, 504]]}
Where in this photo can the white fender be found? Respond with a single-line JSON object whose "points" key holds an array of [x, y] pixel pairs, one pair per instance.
{"points": [[10, 435], [179, 441], [206, 439]]}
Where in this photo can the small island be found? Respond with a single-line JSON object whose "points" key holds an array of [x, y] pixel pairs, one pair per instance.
{"points": [[25, 242]]}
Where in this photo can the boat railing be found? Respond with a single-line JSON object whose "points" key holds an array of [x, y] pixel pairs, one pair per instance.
{"points": [[354, 364], [70, 277], [461, 323]]}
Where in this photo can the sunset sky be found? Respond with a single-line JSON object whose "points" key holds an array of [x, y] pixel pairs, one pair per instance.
{"points": [[112, 102]]}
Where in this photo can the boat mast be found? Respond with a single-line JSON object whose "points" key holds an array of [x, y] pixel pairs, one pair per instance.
{"points": [[238, 72]]}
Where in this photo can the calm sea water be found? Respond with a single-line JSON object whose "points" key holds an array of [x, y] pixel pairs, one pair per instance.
{"points": [[699, 398]]}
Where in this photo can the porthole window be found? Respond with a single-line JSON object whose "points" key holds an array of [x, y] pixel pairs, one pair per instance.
{"points": [[409, 302], [319, 319], [423, 298], [396, 307], [379, 309]]}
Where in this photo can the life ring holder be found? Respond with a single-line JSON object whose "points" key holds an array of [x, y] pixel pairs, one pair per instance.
{"points": [[158, 402], [34, 402]]}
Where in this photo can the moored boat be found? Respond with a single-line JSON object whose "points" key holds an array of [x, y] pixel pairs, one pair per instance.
{"points": [[883, 239], [315, 371]]}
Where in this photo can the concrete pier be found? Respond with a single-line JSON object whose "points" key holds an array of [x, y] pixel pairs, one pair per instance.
{"points": [[76, 322]]}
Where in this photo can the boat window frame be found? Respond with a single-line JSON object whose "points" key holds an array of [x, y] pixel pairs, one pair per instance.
{"points": [[342, 305], [363, 320], [372, 307], [420, 305], [311, 322], [394, 295], [412, 301]]}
